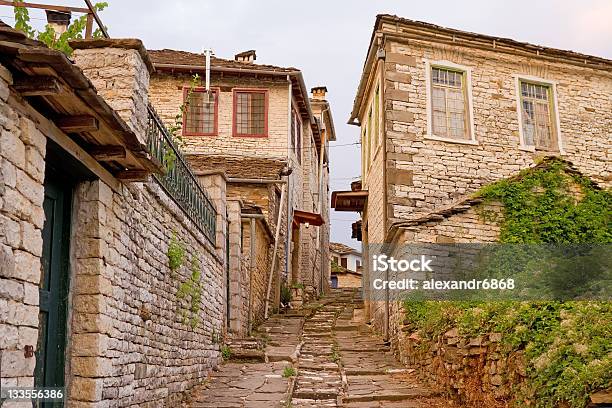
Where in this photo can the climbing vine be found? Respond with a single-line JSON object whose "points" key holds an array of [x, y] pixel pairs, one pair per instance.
{"points": [[176, 254], [189, 292], [189, 295], [567, 344], [175, 128], [49, 36], [550, 205]]}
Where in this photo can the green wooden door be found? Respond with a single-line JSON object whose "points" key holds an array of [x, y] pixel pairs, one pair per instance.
{"points": [[50, 356]]}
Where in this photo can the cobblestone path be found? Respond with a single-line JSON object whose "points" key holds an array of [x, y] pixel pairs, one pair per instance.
{"points": [[338, 360]]}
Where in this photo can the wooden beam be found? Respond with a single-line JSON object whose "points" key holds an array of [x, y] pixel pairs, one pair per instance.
{"points": [[64, 9], [78, 123], [108, 153], [133, 175], [37, 85], [92, 10], [49, 129]]}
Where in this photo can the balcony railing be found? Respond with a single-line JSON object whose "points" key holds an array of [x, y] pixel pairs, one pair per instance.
{"points": [[178, 180]]}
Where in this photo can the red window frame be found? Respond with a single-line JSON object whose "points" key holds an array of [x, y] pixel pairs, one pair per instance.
{"points": [[216, 93], [235, 92]]}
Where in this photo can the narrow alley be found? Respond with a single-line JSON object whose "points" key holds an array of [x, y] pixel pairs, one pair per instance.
{"points": [[323, 356]]}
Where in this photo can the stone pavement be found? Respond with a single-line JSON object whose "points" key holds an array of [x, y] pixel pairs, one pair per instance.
{"points": [[253, 377], [338, 360]]}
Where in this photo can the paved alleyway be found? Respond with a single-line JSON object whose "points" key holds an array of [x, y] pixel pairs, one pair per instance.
{"points": [[339, 363]]}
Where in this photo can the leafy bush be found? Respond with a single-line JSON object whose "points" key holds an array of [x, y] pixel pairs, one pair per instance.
{"points": [[567, 345]]}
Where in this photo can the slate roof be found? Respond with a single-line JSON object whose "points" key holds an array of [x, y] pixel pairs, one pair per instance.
{"points": [[177, 57], [237, 166], [342, 249]]}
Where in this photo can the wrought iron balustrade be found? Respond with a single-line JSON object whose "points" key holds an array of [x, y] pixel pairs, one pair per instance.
{"points": [[178, 180]]}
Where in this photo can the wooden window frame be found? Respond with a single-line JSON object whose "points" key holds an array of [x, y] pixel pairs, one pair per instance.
{"points": [[467, 92], [553, 105], [215, 132], [235, 92]]}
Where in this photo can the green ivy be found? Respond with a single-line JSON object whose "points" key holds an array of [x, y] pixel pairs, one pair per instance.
{"points": [[548, 204], [189, 295], [567, 345], [176, 254], [74, 31]]}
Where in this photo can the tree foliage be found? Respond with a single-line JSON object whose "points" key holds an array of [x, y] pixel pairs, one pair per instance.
{"points": [[48, 36]]}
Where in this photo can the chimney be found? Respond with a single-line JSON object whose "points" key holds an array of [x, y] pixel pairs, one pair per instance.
{"points": [[318, 93], [59, 21], [248, 57], [119, 69]]}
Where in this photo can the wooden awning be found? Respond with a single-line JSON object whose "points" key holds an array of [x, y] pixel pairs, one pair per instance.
{"points": [[349, 200], [304, 217]]}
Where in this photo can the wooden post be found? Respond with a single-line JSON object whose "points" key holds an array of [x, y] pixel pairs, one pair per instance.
{"points": [[275, 252], [89, 26]]}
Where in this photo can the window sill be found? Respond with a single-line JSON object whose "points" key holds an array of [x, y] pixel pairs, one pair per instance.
{"points": [[200, 134], [250, 136], [532, 149], [448, 140]]}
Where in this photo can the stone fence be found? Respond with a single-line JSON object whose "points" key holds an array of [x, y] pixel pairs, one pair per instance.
{"points": [[476, 370]]}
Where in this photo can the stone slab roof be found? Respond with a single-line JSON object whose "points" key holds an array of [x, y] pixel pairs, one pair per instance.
{"points": [[237, 166], [342, 249], [167, 56]]}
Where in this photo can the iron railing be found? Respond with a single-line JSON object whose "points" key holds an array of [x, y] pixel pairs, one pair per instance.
{"points": [[178, 180]]}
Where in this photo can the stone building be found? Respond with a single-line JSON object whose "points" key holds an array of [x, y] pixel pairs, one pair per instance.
{"points": [[346, 266], [112, 260], [257, 127], [445, 112]]}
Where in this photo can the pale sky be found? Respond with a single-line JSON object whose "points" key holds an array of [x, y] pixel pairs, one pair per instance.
{"points": [[328, 40]]}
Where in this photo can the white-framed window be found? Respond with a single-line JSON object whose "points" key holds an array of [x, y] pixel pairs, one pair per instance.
{"points": [[537, 114], [450, 114]]}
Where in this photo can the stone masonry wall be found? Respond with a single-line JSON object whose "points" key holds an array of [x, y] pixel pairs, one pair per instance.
{"points": [[122, 79], [166, 95], [22, 172], [465, 227], [457, 364], [257, 278], [131, 340], [474, 369], [441, 171]]}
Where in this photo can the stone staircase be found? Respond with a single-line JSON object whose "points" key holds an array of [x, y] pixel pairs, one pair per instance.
{"points": [[339, 363], [343, 364]]}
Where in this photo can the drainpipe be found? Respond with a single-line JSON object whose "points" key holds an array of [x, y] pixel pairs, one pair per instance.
{"points": [[289, 184]]}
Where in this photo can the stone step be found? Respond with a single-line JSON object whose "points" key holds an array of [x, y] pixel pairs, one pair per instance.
{"points": [[253, 355], [316, 394], [408, 394], [309, 403]]}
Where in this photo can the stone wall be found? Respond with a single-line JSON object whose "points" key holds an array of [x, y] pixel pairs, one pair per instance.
{"points": [[257, 272], [22, 172], [442, 171], [468, 226], [166, 95], [476, 370], [122, 79], [131, 340], [127, 342]]}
